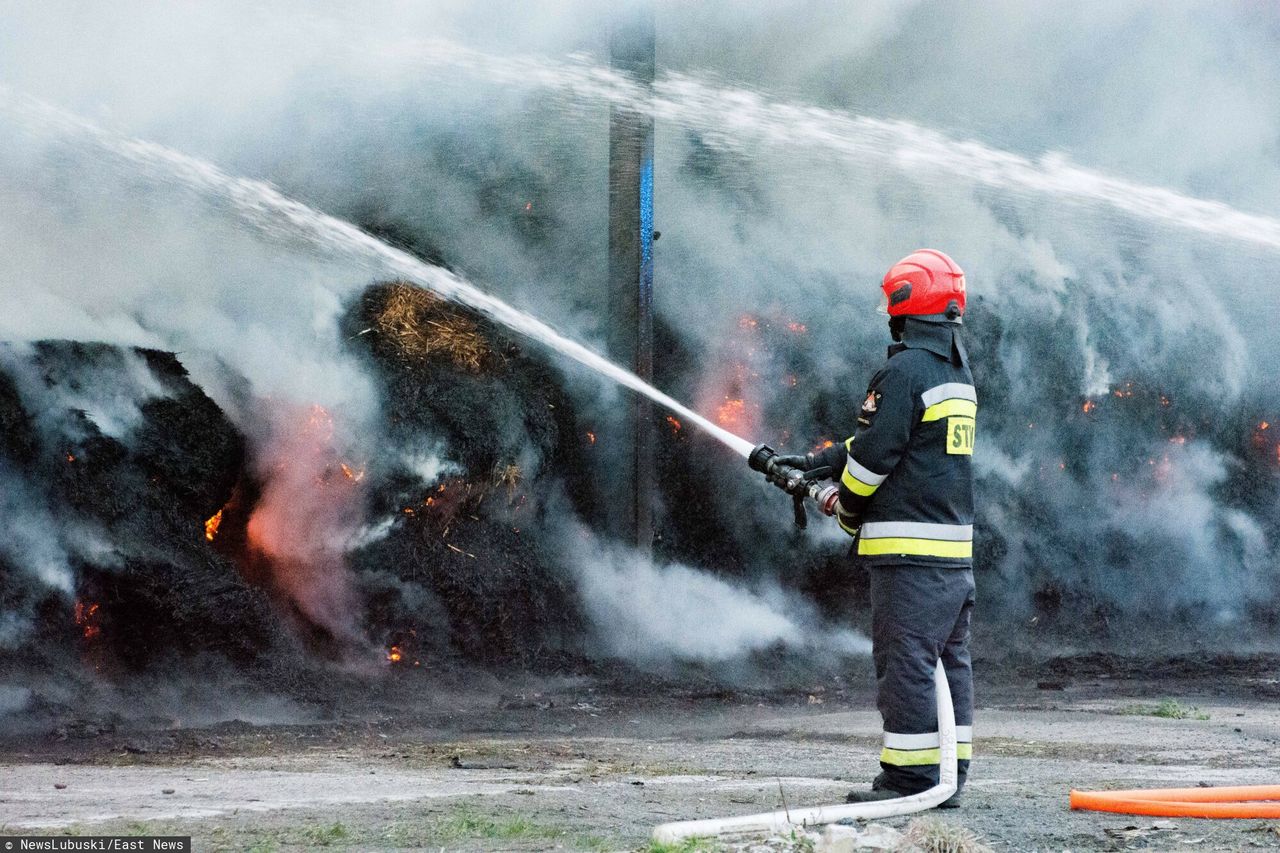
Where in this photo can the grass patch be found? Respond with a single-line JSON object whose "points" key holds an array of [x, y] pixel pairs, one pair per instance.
{"points": [[323, 836], [469, 823], [932, 835], [1168, 709], [688, 845]]}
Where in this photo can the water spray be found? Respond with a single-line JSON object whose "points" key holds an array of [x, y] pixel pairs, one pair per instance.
{"points": [[274, 213]]}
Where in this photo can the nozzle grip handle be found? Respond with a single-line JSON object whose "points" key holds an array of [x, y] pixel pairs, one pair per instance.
{"points": [[801, 515]]}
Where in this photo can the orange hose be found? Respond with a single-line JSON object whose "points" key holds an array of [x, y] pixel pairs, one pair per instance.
{"points": [[1248, 801]]}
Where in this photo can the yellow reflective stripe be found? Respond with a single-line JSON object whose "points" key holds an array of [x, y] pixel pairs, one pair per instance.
{"points": [[964, 751], [852, 531], [911, 757], [915, 547], [848, 445], [950, 408], [856, 486]]}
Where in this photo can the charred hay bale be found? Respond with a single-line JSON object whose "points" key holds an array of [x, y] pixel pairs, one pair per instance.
{"points": [[130, 458], [479, 589], [17, 433]]}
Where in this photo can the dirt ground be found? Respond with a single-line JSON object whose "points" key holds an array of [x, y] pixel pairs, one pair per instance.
{"points": [[576, 765]]}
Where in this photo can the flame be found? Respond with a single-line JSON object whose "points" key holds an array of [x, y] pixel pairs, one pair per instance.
{"points": [[1264, 425], [731, 413], [1126, 391], [823, 445], [1178, 439], [71, 457], [798, 328], [746, 321], [306, 513], [86, 616], [350, 473], [1088, 406], [591, 437], [394, 655], [528, 206], [211, 526], [675, 424]]}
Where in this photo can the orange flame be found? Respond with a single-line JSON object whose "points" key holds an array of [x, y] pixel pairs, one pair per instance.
{"points": [[731, 413], [1088, 406], [211, 526], [394, 655], [86, 617], [1264, 425], [350, 473], [675, 424], [591, 437], [824, 444]]}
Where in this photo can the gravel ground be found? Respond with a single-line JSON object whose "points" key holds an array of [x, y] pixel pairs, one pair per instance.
{"points": [[576, 766]]}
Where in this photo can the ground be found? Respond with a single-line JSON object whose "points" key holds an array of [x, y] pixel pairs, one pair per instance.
{"points": [[578, 765]]}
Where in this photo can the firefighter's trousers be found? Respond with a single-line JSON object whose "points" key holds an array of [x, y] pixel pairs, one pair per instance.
{"points": [[920, 614]]}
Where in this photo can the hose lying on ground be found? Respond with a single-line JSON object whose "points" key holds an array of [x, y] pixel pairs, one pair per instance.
{"points": [[1247, 801], [789, 819]]}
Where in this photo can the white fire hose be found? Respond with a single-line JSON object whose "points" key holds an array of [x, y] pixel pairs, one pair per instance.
{"points": [[784, 821]]}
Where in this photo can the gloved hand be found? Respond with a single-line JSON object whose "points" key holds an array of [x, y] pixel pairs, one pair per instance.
{"points": [[805, 462]]}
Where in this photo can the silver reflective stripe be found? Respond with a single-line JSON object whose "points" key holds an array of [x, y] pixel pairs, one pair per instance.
{"points": [[863, 473], [893, 740], [917, 530], [948, 391], [964, 734]]}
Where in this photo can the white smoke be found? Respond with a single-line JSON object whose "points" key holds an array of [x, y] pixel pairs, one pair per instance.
{"points": [[651, 612]]}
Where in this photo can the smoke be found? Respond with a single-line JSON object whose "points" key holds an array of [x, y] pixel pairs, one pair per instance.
{"points": [[654, 613], [1025, 141]]}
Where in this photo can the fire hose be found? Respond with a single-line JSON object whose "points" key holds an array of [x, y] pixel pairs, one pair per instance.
{"points": [[788, 819], [1241, 801], [800, 485]]}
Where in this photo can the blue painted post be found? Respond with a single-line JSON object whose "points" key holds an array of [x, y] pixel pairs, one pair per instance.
{"points": [[630, 300]]}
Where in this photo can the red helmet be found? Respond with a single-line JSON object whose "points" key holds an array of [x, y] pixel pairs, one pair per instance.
{"points": [[924, 283]]}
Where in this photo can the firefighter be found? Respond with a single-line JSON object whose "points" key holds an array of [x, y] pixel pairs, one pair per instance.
{"points": [[906, 496]]}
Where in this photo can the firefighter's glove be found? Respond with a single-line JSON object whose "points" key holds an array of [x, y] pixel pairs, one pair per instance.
{"points": [[804, 462]]}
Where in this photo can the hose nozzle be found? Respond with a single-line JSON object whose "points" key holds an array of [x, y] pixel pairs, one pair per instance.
{"points": [[760, 458]]}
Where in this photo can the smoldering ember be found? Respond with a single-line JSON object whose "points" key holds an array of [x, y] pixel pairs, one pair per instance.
{"points": [[469, 426]]}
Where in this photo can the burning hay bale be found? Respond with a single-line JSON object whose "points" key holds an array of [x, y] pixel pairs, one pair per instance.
{"points": [[462, 570]]}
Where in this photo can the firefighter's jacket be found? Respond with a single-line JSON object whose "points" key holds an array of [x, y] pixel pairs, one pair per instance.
{"points": [[906, 488]]}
